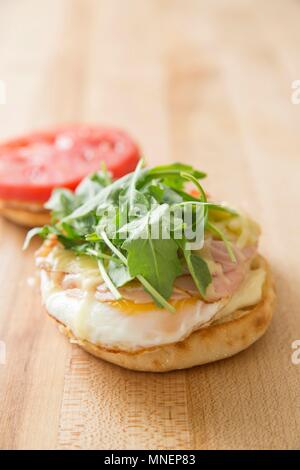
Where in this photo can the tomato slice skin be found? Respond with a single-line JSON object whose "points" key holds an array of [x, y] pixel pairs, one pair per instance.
{"points": [[32, 166]]}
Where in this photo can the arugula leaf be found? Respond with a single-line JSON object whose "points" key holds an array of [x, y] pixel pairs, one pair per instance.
{"points": [[171, 174], [101, 200], [199, 271], [164, 194], [190, 177], [29, 236], [92, 184], [222, 208], [197, 267], [185, 196], [42, 232], [118, 273], [147, 224], [132, 192], [156, 260], [62, 202], [157, 297]]}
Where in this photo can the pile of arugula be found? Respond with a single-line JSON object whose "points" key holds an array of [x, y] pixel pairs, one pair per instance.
{"points": [[121, 240]]}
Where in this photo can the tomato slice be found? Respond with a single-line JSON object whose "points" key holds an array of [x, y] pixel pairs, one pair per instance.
{"points": [[32, 166]]}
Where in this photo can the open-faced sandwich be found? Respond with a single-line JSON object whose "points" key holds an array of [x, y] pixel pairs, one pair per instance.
{"points": [[148, 273], [33, 165]]}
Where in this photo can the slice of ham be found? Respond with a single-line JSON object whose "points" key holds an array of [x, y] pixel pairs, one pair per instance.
{"points": [[186, 284], [226, 278], [228, 275], [221, 256], [225, 284]]}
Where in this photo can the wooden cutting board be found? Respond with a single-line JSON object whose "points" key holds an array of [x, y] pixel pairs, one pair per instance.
{"points": [[207, 83]]}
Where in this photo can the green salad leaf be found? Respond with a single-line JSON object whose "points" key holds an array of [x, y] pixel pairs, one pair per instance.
{"points": [[132, 228], [155, 260], [119, 273]]}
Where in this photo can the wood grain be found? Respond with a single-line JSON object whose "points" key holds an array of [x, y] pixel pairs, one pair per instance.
{"points": [[202, 82]]}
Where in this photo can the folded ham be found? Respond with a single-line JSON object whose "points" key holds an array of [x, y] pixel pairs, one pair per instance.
{"points": [[227, 276]]}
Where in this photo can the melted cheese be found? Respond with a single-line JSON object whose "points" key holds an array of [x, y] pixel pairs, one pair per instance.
{"points": [[67, 262], [82, 270], [248, 294]]}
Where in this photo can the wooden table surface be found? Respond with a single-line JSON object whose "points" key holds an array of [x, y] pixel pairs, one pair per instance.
{"points": [[207, 83]]}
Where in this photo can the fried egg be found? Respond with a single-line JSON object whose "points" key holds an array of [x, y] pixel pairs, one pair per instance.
{"points": [[71, 298]]}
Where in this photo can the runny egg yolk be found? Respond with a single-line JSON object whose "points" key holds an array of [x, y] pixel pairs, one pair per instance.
{"points": [[129, 307]]}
